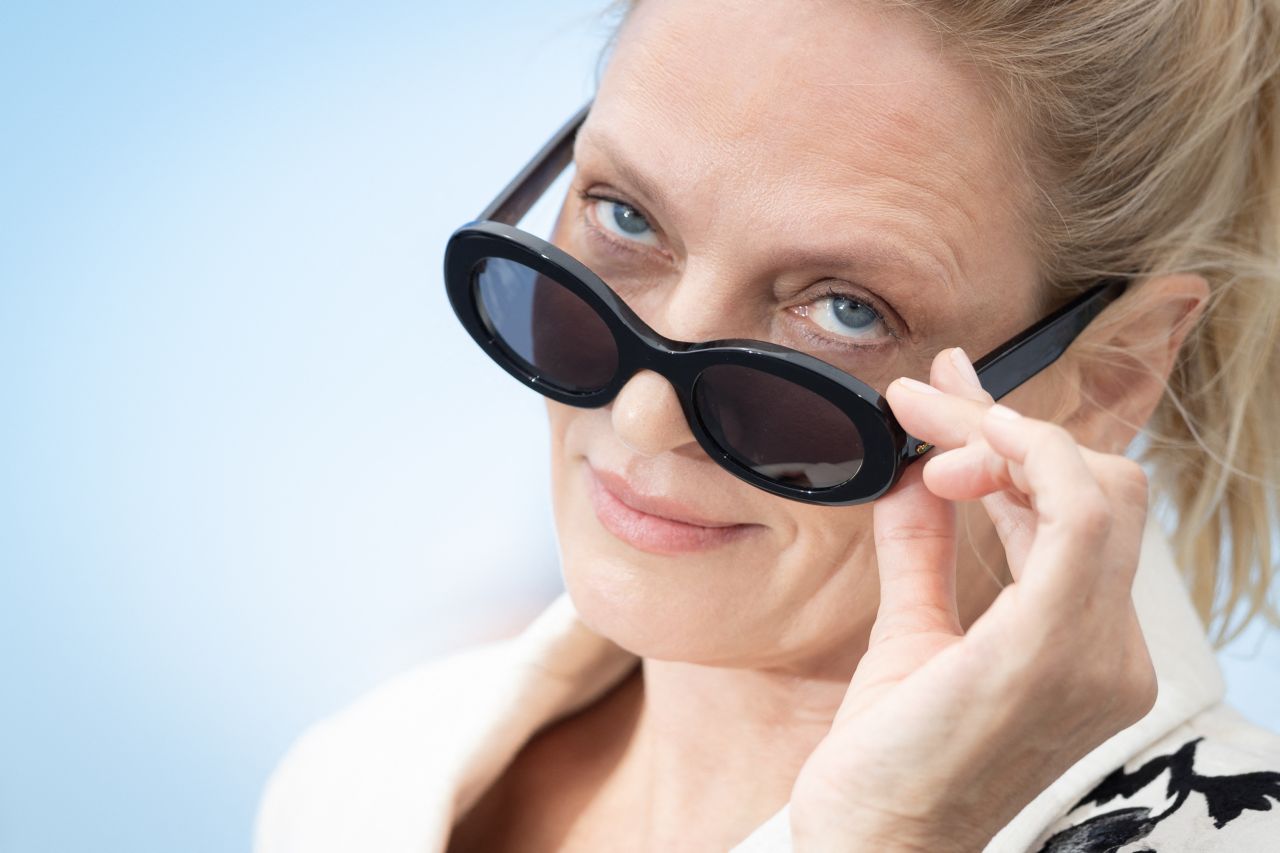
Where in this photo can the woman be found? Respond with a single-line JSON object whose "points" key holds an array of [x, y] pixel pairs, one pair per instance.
{"points": [[984, 641]]}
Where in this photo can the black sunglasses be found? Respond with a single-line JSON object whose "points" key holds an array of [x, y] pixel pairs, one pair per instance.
{"points": [[780, 419]]}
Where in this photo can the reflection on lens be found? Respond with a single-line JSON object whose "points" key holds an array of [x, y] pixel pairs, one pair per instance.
{"points": [[782, 430], [555, 335]]}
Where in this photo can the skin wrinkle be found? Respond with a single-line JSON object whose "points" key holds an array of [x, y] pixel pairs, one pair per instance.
{"points": [[797, 203], [594, 152], [849, 178], [908, 243], [819, 539], [903, 125]]}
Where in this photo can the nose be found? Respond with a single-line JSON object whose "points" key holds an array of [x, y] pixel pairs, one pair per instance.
{"points": [[710, 300], [647, 417], [704, 304]]}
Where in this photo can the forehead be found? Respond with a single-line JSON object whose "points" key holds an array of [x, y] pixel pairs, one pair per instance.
{"points": [[783, 114]]}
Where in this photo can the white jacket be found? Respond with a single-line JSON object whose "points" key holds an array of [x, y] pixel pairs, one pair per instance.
{"points": [[392, 772]]}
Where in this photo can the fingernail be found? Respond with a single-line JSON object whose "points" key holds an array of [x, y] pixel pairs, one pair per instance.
{"points": [[1004, 414], [962, 363], [917, 386]]}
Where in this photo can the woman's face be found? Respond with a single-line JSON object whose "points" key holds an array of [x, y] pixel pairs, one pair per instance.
{"points": [[817, 174]]}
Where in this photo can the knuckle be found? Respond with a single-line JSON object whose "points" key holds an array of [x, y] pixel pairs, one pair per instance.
{"points": [[1090, 695], [1137, 695], [1050, 650], [1093, 513], [1117, 701], [1108, 684], [1099, 678], [1148, 690], [1134, 683], [1142, 670], [1054, 433], [1132, 480]]}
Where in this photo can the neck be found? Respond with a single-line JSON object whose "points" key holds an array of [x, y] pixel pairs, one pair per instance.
{"points": [[716, 750], [725, 742]]}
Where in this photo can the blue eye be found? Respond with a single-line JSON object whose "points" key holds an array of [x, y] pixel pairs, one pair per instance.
{"points": [[847, 317], [624, 221]]}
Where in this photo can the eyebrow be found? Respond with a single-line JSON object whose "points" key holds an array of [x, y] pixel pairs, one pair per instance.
{"points": [[870, 253], [857, 252], [629, 172]]}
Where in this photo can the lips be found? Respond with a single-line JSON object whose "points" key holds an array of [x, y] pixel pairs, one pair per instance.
{"points": [[672, 510], [654, 523]]}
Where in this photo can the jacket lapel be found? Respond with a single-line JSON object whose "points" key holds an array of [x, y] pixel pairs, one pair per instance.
{"points": [[1189, 679]]}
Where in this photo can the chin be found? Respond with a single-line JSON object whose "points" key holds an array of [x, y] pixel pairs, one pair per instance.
{"points": [[645, 616], [698, 606]]}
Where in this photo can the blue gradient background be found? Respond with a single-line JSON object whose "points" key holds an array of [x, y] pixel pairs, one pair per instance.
{"points": [[248, 461]]}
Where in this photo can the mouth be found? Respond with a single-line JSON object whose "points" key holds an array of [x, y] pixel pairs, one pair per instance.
{"points": [[656, 524]]}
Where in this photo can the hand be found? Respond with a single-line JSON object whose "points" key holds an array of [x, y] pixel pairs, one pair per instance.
{"points": [[944, 735]]}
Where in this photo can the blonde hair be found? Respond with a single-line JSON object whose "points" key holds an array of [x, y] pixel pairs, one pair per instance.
{"points": [[1154, 137]]}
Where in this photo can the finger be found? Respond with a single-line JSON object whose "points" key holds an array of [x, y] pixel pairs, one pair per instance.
{"points": [[915, 536], [942, 419], [977, 472], [953, 373], [967, 473], [1073, 513], [939, 421], [1015, 525]]}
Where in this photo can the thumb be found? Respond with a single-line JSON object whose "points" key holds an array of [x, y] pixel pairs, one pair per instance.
{"points": [[915, 536]]}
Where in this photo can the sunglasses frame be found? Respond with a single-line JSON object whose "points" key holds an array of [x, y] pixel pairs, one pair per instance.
{"points": [[887, 449]]}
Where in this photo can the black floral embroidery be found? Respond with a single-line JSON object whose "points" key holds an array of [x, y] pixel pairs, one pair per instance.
{"points": [[1226, 798], [1104, 833]]}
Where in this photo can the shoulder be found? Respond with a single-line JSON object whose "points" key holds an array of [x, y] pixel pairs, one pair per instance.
{"points": [[1213, 783], [342, 779]]}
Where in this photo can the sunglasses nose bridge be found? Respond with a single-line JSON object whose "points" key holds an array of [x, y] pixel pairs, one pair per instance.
{"points": [[668, 358]]}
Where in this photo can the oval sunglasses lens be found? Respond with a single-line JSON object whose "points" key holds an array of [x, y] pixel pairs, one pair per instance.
{"points": [[782, 431], [552, 333]]}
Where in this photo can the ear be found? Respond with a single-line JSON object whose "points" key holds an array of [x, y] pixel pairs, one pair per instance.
{"points": [[1136, 341]]}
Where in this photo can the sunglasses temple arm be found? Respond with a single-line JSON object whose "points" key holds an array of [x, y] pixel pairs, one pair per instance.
{"points": [[527, 187], [1025, 355]]}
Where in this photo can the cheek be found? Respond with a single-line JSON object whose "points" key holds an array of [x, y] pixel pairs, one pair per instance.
{"points": [[560, 426], [809, 585], [802, 591], [558, 417], [832, 547]]}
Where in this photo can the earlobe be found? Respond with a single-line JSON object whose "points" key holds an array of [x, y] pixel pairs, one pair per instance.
{"points": [[1124, 365]]}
